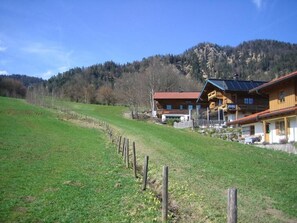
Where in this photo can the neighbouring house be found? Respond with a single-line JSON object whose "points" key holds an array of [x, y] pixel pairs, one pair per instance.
{"points": [[278, 124], [175, 104], [228, 100]]}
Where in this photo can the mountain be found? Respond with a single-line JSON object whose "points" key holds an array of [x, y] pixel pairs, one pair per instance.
{"points": [[27, 81], [251, 60], [16, 85]]}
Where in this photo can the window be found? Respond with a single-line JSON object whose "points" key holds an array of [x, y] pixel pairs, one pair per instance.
{"points": [[267, 129], [168, 107], [245, 130], [181, 107], [248, 101], [252, 130], [281, 96], [280, 127], [190, 107], [220, 102]]}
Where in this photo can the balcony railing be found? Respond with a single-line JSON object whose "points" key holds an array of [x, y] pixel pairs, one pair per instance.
{"points": [[215, 94], [212, 105], [229, 107]]}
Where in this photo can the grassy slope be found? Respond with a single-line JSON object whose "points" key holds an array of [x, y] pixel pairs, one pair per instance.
{"points": [[54, 171], [202, 168]]}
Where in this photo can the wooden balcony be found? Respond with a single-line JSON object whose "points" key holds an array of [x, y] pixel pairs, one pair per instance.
{"points": [[223, 107], [212, 105], [215, 94], [230, 107], [252, 108]]}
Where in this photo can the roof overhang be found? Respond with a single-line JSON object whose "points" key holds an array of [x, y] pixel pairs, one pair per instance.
{"points": [[264, 115], [193, 95], [274, 82]]}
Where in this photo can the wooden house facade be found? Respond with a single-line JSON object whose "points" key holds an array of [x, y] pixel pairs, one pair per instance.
{"points": [[278, 123], [230, 99], [174, 104]]}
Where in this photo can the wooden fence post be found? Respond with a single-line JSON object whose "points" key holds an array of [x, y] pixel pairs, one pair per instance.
{"points": [[119, 147], [165, 194], [232, 206], [127, 153], [134, 160], [145, 170], [123, 148]]}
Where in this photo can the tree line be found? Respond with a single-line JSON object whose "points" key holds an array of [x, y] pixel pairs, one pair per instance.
{"points": [[16, 85], [111, 84], [134, 83], [10, 87]]}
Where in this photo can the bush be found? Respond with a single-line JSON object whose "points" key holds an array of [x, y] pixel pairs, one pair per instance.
{"points": [[283, 141], [171, 121]]}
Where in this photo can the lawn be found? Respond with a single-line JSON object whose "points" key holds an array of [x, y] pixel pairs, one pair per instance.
{"points": [[55, 171], [201, 169]]}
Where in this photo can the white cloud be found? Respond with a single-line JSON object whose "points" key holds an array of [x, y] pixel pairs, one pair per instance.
{"points": [[2, 47], [3, 72], [54, 57], [258, 3], [48, 74], [44, 50], [63, 69]]}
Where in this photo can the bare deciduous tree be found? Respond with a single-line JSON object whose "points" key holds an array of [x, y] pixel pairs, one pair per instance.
{"points": [[106, 95], [137, 89]]}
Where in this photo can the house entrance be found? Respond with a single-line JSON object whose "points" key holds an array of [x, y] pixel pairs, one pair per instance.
{"points": [[267, 132]]}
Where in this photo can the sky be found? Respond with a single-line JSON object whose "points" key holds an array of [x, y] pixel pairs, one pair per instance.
{"points": [[45, 37]]}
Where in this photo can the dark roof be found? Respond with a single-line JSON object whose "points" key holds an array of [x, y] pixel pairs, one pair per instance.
{"points": [[273, 82], [235, 85], [228, 86]]}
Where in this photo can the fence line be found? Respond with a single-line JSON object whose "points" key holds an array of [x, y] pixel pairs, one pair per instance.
{"points": [[127, 153], [232, 205], [122, 147], [145, 170], [232, 192], [165, 194], [134, 160]]}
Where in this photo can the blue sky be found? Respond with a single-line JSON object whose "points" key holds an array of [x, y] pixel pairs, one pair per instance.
{"points": [[44, 37]]}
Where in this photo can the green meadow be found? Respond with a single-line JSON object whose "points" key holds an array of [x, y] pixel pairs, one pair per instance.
{"points": [[201, 169], [55, 171]]}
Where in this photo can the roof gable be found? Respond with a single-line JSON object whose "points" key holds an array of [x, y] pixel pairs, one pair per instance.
{"points": [[228, 86], [273, 82]]}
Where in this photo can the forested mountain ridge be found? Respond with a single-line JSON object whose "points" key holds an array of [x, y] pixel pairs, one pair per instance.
{"points": [[258, 59], [251, 60], [27, 81], [16, 85]]}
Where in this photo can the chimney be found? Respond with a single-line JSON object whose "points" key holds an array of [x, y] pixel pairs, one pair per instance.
{"points": [[235, 76]]}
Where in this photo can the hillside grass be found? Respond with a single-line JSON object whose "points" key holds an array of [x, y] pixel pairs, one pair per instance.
{"points": [[55, 171], [201, 169]]}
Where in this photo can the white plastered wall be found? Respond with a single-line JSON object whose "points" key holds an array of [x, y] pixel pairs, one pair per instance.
{"points": [[292, 132], [258, 130]]}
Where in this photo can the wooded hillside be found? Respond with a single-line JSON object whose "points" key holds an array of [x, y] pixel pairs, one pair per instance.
{"points": [[134, 83], [252, 60]]}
